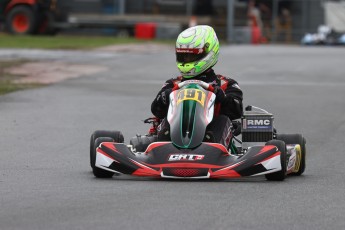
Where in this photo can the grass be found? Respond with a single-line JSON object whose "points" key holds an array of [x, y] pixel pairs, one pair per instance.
{"points": [[71, 42], [67, 41], [6, 80]]}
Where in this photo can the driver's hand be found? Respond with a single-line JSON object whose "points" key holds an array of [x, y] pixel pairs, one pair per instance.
{"points": [[220, 94]]}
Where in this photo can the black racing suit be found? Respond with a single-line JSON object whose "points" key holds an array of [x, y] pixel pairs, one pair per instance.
{"points": [[230, 108]]}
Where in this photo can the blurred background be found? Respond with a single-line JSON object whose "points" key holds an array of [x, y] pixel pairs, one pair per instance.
{"points": [[97, 84], [235, 21]]}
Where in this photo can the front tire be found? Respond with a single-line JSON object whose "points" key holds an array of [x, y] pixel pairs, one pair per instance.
{"points": [[115, 135], [280, 175], [98, 172], [296, 139]]}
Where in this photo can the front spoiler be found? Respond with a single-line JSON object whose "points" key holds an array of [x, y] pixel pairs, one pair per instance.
{"points": [[209, 160]]}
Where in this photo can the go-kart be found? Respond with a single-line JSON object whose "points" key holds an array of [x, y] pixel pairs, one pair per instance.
{"points": [[255, 148], [324, 36]]}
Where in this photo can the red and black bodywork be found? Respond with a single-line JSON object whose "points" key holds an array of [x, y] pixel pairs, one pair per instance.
{"points": [[208, 160]]}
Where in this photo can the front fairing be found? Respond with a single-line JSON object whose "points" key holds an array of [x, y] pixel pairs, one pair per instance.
{"points": [[190, 111]]}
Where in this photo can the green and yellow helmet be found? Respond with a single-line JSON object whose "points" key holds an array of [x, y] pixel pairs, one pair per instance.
{"points": [[197, 50]]}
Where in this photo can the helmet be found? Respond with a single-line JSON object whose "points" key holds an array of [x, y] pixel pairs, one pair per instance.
{"points": [[197, 50]]}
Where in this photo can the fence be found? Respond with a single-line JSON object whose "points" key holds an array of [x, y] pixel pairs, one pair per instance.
{"points": [[279, 21], [292, 19]]}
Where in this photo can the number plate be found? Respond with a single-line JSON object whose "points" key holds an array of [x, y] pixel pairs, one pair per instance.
{"points": [[191, 94]]}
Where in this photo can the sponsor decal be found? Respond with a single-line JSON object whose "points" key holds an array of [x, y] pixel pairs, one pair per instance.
{"points": [[164, 98], [291, 163], [236, 86], [185, 157], [257, 123], [189, 50]]}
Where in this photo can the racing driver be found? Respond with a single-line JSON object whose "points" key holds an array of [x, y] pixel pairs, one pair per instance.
{"points": [[197, 51]]}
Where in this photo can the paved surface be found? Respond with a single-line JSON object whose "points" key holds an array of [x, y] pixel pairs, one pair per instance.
{"points": [[46, 181]]}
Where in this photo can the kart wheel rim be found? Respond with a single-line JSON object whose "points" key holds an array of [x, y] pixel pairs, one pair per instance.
{"points": [[298, 158], [20, 23]]}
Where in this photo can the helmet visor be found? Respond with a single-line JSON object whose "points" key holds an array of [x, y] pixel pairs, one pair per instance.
{"points": [[186, 55]]}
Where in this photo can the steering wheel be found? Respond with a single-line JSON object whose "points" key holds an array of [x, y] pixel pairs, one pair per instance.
{"points": [[203, 84]]}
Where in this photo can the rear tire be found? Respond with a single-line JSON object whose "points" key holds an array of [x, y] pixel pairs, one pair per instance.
{"points": [[141, 142], [280, 175], [98, 172], [21, 20], [296, 139], [115, 135]]}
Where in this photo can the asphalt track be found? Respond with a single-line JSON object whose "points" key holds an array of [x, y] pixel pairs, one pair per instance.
{"points": [[46, 181]]}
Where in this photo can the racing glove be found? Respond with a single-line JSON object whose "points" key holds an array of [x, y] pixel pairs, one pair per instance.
{"points": [[163, 97], [220, 94]]}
